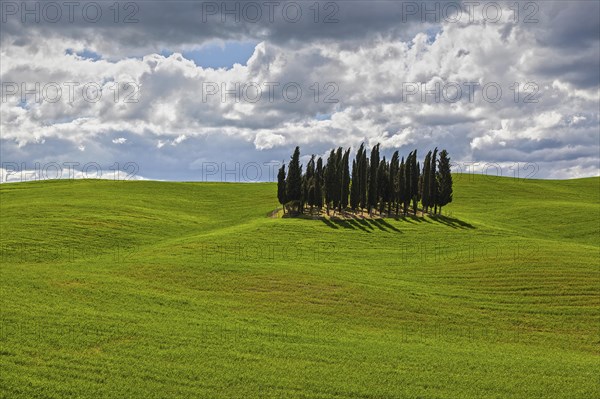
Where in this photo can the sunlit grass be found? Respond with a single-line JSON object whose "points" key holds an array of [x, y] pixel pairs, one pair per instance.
{"points": [[152, 289]]}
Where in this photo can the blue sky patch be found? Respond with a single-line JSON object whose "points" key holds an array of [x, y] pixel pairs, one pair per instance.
{"points": [[220, 55]]}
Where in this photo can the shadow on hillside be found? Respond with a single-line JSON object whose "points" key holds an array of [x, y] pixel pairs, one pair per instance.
{"points": [[451, 222], [356, 223], [370, 225], [352, 221]]}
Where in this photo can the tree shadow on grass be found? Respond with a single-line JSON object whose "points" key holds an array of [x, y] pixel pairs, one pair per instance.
{"points": [[412, 219], [329, 223], [354, 223], [384, 225], [357, 224], [451, 222], [351, 224]]}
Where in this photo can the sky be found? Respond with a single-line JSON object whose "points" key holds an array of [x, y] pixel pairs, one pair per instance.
{"points": [[224, 91]]}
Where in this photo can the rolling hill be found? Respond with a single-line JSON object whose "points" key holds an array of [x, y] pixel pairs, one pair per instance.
{"points": [[155, 289]]}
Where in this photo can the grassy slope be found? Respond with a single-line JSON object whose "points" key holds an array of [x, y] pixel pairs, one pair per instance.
{"points": [[148, 289]]}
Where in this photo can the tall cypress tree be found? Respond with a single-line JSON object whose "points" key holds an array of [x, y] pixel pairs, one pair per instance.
{"points": [[393, 182], [444, 180], [281, 195], [337, 194], [356, 176], [433, 183], [293, 184], [373, 191], [354, 188], [319, 185], [364, 179], [330, 177], [402, 185], [406, 177], [345, 186], [382, 185], [416, 179], [413, 177], [310, 183], [425, 187]]}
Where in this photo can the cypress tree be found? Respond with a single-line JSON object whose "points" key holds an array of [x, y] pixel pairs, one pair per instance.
{"points": [[310, 183], [319, 185], [393, 183], [433, 183], [373, 191], [407, 180], [425, 186], [382, 185], [416, 178], [281, 195], [293, 184], [444, 180], [356, 176], [345, 181], [354, 187], [304, 195], [329, 180], [337, 196], [402, 185], [363, 176]]}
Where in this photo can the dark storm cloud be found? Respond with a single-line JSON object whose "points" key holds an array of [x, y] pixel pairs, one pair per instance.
{"points": [[568, 25], [140, 26]]}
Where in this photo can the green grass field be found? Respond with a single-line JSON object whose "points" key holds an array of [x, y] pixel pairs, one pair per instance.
{"points": [[163, 290]]}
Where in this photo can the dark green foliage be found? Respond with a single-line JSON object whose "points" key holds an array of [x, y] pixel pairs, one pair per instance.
{"points": [[373, 194], [309, 178], [393, 182], [433, 182], [414, 180], [319, 184], [330, 177], [426, 184], [407, 183], [363, 173], [373, 183], [345, 180], [444, 180], [383, 184], [354, 188], [339, 175], [281, 194], [293, 183], [401, 194]]}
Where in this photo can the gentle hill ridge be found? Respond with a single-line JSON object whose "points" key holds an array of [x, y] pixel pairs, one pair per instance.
{"points": [[150, 289]]}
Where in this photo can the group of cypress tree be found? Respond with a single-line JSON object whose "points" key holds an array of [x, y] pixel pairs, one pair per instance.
{"points": [[375, 184]]}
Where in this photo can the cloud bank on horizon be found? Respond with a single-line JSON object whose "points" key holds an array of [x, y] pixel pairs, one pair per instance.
{"points": [[225, 90]]}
